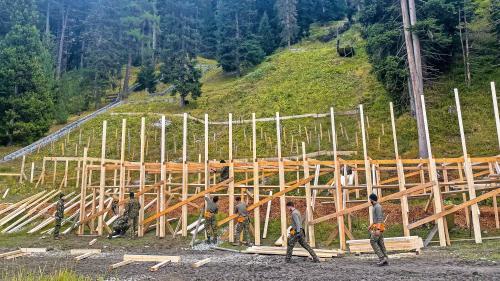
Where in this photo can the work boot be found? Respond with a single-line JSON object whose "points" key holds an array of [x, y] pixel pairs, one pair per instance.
{"points": [[383, 262]]}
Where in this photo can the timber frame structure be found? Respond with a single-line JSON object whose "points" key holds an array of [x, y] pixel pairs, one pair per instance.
{"points": [[347, 182]]}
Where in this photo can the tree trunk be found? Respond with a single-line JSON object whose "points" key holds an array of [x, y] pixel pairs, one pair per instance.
{"points": [[82, 54], [183, 101], [127, 77], [47, 20], [467, 64], [61, 43], [238, 70], [415, 78]]}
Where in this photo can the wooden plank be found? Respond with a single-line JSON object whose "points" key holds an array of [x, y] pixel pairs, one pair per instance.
{"points": [[201, 262], [392, 244], [281, 177], [396, 195], [120, 264], [93, 241], [368, 177], [142, 179], [184, 211], [256, 191], [11, 257], [339, 206], [309, 207], [151, 258], [83, 192], [156, 267], [84, 256], [454, 208], [33, 250], [3, 255], [84, 251], [268, 212]]}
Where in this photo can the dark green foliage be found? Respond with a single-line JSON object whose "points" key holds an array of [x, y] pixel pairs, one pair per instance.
{"points": [[181, 71], [265, 34], [146, 78]]}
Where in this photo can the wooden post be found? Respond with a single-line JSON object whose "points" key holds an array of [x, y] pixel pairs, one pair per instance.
{"points": [[231, 175], [497, 123], [42, 174], [401, 176], [102, 179], [309, 211], [83, 192], [21, 173], [32, 171], [468, 174], [184, 173], [65, 179], [163, 177], [78, 168], [142, 178], [206, 160], [369, 187], [121, 192], [338, 184], [256, 191], [438, 204], [54, 174], [281, 171]]}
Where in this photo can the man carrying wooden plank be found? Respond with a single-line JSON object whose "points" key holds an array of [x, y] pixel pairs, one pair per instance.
{"points": [[377, 230], [297, 234], [243, 221], [211, 210], [132, 212], [59, 215]]}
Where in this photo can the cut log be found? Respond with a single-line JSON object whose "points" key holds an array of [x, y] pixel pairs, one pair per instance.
{"points": [[84, 256], [159, 265], [202, 262], [120, 264]]}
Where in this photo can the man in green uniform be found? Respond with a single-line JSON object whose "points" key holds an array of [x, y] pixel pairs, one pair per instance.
{"points": [[297, 234], [224, 173], [211, 210], [377, 230], [59, 215], [132, 212], [120, 226], [243, 221]]}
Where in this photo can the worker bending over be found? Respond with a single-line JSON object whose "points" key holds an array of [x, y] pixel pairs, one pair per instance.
{"points": [[211, 210], [297, 234], [132, 213], [377, 230], [242, 220]]}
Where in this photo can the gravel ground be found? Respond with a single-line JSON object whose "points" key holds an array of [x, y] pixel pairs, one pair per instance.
{"points": [[431, 264]]}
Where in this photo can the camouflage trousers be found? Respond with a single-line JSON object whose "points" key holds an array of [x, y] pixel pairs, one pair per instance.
{"points": [[302, 241], [57, 228], [133, 224], [243, 226], [377, 242], [211, 227]]}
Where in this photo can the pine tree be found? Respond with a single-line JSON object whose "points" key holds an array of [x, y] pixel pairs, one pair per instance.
{"points": [[26, 104], [287, 13], [266, 35]]}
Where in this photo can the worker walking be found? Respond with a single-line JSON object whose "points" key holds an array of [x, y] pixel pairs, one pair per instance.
{"points": [[243, 221], [211, 210], [59, 215], [377, 230], [132, 212], [297, 234]]}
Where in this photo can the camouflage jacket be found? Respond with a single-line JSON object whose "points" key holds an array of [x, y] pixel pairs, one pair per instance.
{"points": [[60, 209], [132, 208]]}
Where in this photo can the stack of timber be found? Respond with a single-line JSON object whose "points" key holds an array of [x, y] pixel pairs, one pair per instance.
{"points": [[391, 244], [268, 250]]}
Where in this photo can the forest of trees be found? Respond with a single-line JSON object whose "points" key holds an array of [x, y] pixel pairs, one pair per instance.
{"points": [[63, 57]]}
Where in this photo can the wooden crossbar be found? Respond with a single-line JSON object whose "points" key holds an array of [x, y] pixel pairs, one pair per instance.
{"points": [[454, 208], [269, 198], [393, 196]]}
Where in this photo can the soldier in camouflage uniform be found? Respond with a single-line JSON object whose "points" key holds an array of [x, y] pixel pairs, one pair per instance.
{"points": [[224, 173], [297, 234], [243, 222], [211, 210], [120, 226], [132, 212], [59, 215], [377, 230]]}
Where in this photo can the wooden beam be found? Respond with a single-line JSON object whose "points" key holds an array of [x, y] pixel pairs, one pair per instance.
{"points": [[142, 178], [468, 173], [120, 264], [157, 266], [455, 208], [102, 183], [368, 177], [281, 176], [163, 178], [339, 206], [201, 262], [184, 211], [151, 258], [84, 256], [393, 196], [309, 210], [256, 192]]}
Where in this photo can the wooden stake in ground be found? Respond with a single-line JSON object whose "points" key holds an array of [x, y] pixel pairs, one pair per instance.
{"points": [[231, 175], [369, 187], [142, 178], [438, 204], [163, 177], [468, 174], [256, 192], [83, 192], [281, 176], [184, 174], [309, 211], [102, 177], [338, 183], [401, 177]]}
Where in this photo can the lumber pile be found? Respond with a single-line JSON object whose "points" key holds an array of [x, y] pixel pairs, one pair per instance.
{"points": [[391, 244], [268, 250]]}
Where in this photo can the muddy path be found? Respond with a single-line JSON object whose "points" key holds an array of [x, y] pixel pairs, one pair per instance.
{"points": [[432, 264]]}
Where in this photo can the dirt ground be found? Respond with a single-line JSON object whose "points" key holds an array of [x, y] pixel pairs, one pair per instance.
{"points": [[432, 264]]}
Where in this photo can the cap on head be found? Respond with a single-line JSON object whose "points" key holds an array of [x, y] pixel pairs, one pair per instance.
{"points": [[132, 195], [215, 199], [373, 197], [238, 198], [223, 161], [290, 204]]}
